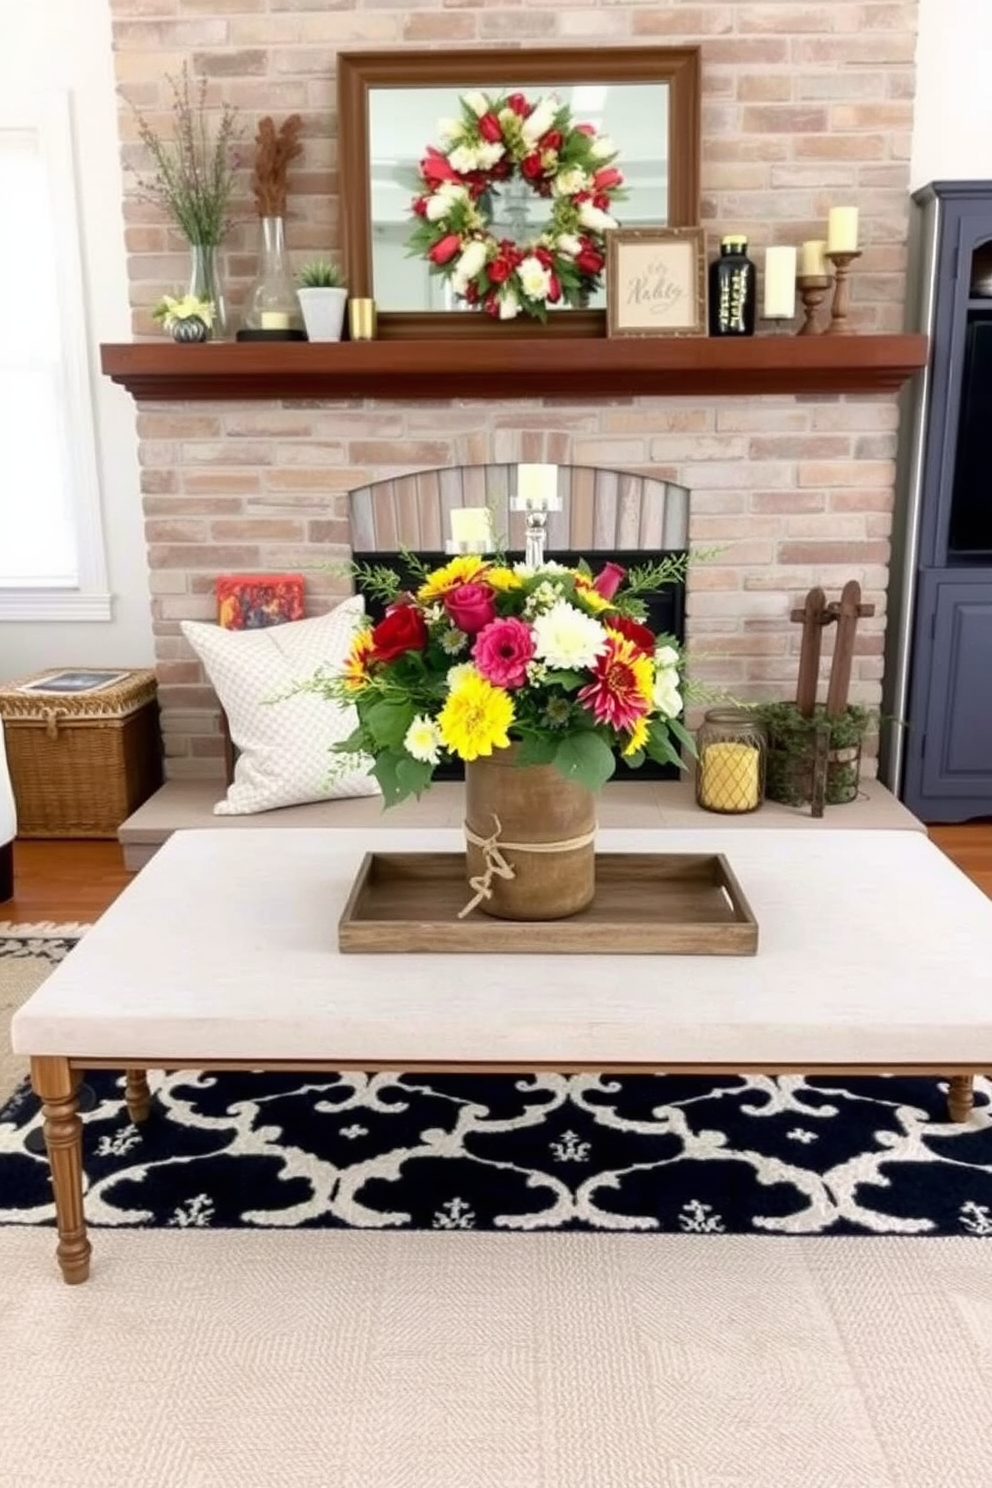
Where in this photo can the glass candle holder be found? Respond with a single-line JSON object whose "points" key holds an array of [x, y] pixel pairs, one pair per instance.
{"points": [[732, 746]]}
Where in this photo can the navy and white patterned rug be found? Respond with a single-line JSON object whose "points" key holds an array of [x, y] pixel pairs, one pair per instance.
{"points": [[738, 1155]]}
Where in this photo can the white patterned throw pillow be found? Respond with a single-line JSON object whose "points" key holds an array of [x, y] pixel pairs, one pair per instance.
{"points": [[284, 746]]}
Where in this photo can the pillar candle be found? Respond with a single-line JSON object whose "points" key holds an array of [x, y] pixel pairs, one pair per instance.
{"points": [[729, 777], [274, 320], [537, 485], [780, 283], [471, 524], [842, 230], [812, 259]]}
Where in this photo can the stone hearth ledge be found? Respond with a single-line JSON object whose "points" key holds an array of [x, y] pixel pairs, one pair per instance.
{"points": [[187, 804]]}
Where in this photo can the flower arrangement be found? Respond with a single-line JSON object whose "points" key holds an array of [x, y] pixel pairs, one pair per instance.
{"points": [[193, 180], [494, 139], [483, 656], [187, 314]]}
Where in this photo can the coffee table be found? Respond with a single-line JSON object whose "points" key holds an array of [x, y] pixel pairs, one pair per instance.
{"points": [[875, 955]]}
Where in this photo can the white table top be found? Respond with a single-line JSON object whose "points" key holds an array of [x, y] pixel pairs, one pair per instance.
{"points": [[874, 948]]}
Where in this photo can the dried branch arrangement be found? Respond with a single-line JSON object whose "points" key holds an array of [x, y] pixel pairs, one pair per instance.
{"points": [[274, 149]]}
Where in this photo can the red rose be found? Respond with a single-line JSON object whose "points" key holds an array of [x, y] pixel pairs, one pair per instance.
{"points": [[490, 128], [445, 249], [554, 290], [532, 167], [403, 629], [518, 103], [589, 129], [420, 206], [634, 631], [601, 200], [544, 258], [434, 168], [551, 140], [499, 270], [607, 581], [607, 177], [470, 607], [491, 304], [589, 261]]}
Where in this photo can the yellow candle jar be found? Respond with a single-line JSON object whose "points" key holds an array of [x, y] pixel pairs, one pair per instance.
{"points": [[730, 774]]}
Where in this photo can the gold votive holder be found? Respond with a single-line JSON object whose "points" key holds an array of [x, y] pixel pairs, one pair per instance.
{"points": [[361, 320], [732, 746]]}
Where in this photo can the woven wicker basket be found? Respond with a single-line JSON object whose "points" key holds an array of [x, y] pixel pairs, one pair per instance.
{"points": [[80, 763]]}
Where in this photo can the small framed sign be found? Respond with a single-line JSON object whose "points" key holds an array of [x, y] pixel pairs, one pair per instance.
{"points": [[655, 281]]}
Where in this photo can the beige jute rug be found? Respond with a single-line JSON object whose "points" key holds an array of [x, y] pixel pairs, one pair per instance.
{"points": [[338, 1359]]}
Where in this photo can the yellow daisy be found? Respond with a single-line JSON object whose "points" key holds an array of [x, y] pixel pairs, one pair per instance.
{"points": [[475, 718], [356, 666], [503, 579], [461, 570], [638, 737]]}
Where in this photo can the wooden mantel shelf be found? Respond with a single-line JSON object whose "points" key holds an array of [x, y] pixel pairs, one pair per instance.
{"points": [[493, 368]]}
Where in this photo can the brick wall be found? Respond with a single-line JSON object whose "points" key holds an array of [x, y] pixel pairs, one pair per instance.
{"points": [[804, 106]]}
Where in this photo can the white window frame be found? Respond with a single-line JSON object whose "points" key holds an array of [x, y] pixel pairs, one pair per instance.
{"points": [[49, 116]]}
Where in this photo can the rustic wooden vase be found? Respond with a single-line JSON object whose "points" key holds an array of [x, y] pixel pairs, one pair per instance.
{"points": [[533, 804]]}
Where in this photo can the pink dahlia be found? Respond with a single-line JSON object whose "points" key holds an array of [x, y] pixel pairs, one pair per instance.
{"points": [[502, 650], [623, 677]]}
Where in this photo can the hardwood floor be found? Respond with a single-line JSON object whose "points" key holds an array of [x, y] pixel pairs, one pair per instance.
{"points": [[64, 881]]}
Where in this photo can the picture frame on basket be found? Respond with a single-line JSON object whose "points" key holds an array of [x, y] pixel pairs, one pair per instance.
{"points": [[656, 281]]}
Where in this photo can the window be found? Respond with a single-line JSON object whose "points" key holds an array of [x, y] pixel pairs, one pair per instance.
{"points": [[52, 563]]}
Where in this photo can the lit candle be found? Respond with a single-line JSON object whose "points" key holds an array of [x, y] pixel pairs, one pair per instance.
{"points": [[274, 320], [842, 230], [729, 778], [471, 524], [780, 283], [812, 259], [537, 486]]}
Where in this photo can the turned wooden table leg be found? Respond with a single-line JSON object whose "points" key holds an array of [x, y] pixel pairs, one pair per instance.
{"points": [[960, 1097], [57, 1086], [137, 1095]]}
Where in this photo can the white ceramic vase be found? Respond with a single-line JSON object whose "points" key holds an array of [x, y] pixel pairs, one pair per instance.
{"points": [[323, 312]]}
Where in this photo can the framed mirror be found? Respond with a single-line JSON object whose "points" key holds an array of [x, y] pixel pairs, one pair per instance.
{"points": [[390, 105]]}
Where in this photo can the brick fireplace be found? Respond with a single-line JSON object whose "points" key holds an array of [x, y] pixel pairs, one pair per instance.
{"points": [[803, 107]]}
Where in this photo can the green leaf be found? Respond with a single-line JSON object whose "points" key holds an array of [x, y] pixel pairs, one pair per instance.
{"points": [[538, 749], [413, 776], [585, 758], [568, 681], [356, 742], [388, 722], [659, 745], [683, 735], [385, 771]]}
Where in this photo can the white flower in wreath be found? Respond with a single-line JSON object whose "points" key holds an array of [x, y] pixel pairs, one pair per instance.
{"points": [[450, 130], [488, 153], [595, 220], [464, 158], [509, 305], [470, 262], [569, 245], [602, 147], [477, 102], [540, 120], [569, 182], [447, 196], [535, 279]]}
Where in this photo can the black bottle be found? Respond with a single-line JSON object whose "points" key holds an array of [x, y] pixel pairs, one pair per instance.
{"points": [[733, 290]]}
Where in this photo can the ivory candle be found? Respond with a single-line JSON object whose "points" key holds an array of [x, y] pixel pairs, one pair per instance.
{"points": [[812, 259], [780, 283], [729, 777], [537, 486], [274, 320], [842, 230], [471, 524]]}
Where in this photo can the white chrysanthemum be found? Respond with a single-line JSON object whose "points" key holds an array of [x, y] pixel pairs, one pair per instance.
{"points": [[463, 158], [477, 102], [666, 696], [423, 740], [541, 120], [569, 182], [471, 259], [666, 656], [568, 244], [509, 305], [457, 674], [566, 639], [535, 279], [603, 147], [488, 153], [595, 220], [450, 130]]}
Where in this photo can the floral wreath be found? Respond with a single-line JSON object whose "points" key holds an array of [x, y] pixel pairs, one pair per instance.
{"points": [[496, 138]]}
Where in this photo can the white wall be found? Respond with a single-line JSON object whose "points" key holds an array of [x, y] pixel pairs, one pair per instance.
{"points": [[952, 138], [66, 44]]}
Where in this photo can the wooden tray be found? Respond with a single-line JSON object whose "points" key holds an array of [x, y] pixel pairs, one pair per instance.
{"points": [[676, 904]]}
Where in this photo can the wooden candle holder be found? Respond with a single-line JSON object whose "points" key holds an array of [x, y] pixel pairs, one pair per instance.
{"points": [[812, 289], [839, 310]]}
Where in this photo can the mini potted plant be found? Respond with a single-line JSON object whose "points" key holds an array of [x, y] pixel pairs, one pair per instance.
{"points": [[322, 295], [186, 319]]}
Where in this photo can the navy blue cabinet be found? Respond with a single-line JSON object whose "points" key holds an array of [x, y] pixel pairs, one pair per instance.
{"points": [[939, 661]]}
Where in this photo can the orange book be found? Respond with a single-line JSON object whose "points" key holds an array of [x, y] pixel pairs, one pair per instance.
{"points": [[254, 601]]}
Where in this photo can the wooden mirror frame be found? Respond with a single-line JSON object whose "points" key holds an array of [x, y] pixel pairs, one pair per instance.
{"points": [[358, 72]]}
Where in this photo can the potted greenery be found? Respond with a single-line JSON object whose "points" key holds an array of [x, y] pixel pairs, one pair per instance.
{"points": [[322, 295], [792, 748]]}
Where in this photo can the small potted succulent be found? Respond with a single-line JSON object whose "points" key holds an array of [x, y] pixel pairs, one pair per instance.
{"points": [[186, 318], [322, 295]]}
